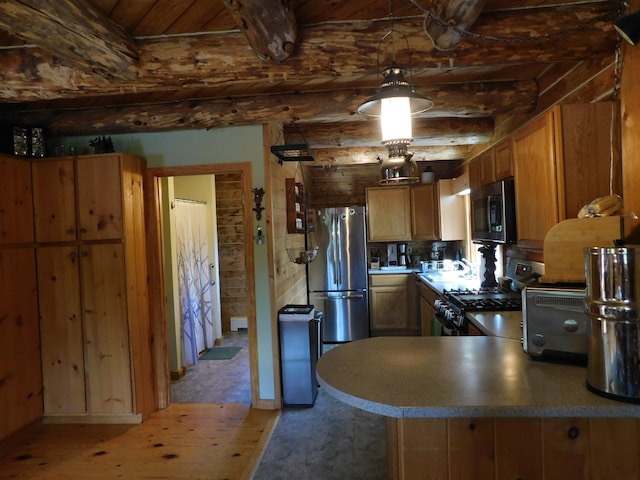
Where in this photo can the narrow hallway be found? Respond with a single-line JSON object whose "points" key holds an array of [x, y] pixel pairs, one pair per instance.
{"points": [[217, 381]]}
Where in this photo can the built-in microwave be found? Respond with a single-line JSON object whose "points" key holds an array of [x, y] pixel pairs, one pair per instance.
{"points": [[493, 217]]}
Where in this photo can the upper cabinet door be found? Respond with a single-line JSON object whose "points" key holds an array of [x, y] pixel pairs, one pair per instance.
{"points": [[536, 180], [54, 200], [388, 214], [16, 205], [502, 156], [99, 197], [425, 212]]}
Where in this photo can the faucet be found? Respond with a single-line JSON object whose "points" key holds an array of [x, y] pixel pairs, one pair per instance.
{"points": [[471, 269]]}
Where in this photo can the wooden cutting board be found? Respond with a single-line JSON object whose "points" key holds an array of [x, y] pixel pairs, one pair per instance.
{"points": [[564, 246]]}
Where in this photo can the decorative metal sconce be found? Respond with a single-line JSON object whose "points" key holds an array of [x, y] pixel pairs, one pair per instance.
{"points": [[258, 193]]}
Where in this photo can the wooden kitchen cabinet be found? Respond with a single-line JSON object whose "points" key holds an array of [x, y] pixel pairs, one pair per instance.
{"points": [[504, 447], [491, 166], [92, 290], [98, 191], [55, 208], [16, 206], [503, 161], [20, 369], [391, 311], [425, 215], [561, 162], [388, 213], [20, 361], [63, 366], [428, 296], [414, 213]]}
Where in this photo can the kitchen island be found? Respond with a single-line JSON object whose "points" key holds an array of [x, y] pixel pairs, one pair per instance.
{"points": [[478, 407]]}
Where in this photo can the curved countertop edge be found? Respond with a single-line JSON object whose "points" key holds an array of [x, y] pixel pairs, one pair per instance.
{"points": [[632, 410], [599, 406]]}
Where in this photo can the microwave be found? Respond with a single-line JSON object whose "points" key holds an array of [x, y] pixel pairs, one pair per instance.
{"points": [[493, 215]]}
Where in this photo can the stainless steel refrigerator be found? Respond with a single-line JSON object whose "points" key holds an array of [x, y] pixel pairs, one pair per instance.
{"points": [[337, 279]]}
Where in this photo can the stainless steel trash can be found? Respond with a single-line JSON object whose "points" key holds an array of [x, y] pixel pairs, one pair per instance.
{"points": [[298, 329]]}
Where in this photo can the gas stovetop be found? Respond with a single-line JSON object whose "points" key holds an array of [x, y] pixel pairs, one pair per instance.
{"points": [[492, 299]]}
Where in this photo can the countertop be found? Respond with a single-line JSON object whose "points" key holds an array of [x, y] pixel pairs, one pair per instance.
{"points": [[423, 377], [498, 324], [388, 270]]}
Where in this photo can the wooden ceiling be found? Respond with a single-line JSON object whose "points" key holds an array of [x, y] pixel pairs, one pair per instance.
{"points": [[115, 66]]}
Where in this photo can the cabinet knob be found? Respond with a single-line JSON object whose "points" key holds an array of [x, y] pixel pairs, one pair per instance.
{"points": [[573, 433], [83, 230], [70, 231]]}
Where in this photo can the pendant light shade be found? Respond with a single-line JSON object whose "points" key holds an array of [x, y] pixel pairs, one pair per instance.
{"points": [[395, 86], [395, 120], [629, 28]]}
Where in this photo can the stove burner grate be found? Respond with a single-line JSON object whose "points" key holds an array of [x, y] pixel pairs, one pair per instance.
{"points": [[494, 299]]}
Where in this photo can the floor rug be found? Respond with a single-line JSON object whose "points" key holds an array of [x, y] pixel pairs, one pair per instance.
{"points": [[220, 353]]}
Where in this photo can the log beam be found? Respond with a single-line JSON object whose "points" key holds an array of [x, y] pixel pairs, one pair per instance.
{"points": [[215, 60], [269, 26], [74, 34], [426, 132], [363, 155], [457, 100]]}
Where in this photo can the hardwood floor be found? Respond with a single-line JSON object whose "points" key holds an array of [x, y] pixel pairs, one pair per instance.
{"points": [[185, 441]]}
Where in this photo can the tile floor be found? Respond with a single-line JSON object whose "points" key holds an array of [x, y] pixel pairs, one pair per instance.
{"points": [[329, 441]]}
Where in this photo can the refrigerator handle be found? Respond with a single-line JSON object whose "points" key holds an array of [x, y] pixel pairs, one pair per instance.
{"points": [[343, 297], [334, 235], [339, 249]]}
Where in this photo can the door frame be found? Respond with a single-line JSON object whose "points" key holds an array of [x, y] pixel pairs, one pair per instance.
{"points": [[156, 271]]}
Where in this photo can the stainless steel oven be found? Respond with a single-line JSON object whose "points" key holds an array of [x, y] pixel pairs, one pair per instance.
{"points": [[453, 306]]}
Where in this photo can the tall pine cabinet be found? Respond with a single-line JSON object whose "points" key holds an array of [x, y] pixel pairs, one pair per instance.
{"points": [[92, 289], [20, 374]]}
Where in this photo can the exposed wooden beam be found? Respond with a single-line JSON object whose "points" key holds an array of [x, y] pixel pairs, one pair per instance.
{"points": [[426, 132], [73, 34], [269, 26], [360, 155], [451, 17], [216, 59], [471, 100]]}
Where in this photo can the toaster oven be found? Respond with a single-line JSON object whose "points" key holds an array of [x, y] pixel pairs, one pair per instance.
{"points": [[554, 323]]}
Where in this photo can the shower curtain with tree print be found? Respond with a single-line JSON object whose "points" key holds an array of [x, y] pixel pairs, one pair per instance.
{"points": [[194, 280]]}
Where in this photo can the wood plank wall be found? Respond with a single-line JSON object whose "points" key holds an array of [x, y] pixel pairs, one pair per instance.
{"points": [[231, 229], [289, 279], [344, 185]]}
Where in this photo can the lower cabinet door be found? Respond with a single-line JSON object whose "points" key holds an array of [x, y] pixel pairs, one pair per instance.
{"points": [[61, 331], [109, 379]]}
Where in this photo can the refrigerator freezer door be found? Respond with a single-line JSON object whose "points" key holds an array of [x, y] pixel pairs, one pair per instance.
{"points": [[340, 235], [345, 315]]}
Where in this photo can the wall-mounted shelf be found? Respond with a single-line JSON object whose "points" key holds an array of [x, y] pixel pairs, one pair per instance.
{"points": [[295, 206]]}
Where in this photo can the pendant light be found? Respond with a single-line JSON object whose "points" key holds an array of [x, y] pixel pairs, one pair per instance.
{"points": [[395, 103]]}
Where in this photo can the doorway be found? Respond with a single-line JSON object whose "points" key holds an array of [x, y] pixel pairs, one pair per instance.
{"points": [[156, 247]]}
